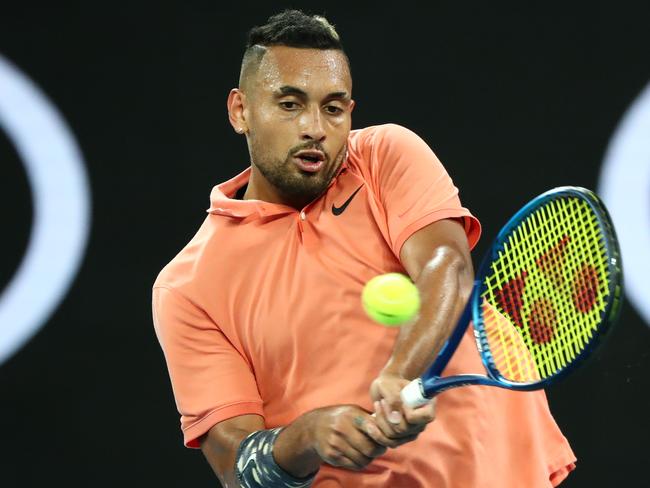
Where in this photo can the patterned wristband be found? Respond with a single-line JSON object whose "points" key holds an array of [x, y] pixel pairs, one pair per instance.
{"points": [[256, 468]]}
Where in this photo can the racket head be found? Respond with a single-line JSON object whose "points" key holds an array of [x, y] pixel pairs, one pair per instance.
{"points": [[549, 290]]}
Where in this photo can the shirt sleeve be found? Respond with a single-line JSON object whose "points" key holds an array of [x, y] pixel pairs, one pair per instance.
{"points": [[210, 379], [413, 186]]}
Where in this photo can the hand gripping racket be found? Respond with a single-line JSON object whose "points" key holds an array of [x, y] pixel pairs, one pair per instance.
{"points": [[545, 294]]}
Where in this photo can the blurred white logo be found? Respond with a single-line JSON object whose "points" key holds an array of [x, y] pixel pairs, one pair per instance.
{"points": [[61, 204], [625, 189]]}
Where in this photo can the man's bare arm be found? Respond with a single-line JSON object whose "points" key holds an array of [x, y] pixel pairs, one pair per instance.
{"points": [[220, 444], [437, 259], [344, 435]]}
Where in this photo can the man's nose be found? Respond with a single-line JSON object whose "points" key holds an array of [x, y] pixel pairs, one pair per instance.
{"points": [[312, 125]]}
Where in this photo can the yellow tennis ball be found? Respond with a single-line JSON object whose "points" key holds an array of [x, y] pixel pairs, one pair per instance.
{"points": [[390, 299]]}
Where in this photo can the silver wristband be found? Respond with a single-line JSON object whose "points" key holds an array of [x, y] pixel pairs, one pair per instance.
{"points": [[255, 466]]}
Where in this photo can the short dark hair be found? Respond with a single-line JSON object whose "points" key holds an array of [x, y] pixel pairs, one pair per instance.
{"points": [[291, 28], [294, 28]]}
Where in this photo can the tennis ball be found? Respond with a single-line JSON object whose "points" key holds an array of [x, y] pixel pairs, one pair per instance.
{"points": [[390, 299]]}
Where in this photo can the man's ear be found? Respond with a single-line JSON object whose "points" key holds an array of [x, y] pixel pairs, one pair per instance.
{"points": [[235, 103]]}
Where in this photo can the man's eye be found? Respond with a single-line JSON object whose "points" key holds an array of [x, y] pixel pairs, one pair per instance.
{"points": [[289, 105], [333, 110]]}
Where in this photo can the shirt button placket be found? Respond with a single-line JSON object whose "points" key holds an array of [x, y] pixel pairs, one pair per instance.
{"points": [[302, 216], [306, 234]]}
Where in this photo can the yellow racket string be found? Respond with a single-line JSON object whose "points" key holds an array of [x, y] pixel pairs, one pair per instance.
{"points": [[546, 292]]}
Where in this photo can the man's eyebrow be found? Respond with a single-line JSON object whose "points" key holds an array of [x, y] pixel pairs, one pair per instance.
{"points": [[292, 90], [342, 95]]}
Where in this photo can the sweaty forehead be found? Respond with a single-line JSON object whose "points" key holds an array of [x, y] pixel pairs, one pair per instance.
{"points": [[308, 69]]}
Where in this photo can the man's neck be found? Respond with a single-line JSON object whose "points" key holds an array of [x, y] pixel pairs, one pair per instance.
{"points": [[260, 189]]}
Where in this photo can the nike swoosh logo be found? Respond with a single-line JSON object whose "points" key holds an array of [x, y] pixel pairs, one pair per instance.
{"points": [[341, 209]]}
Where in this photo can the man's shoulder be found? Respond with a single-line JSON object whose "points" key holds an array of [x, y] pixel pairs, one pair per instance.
{"points": [[211, 241], [376, 146], [181, 270], [381, 139], [370, 134]]}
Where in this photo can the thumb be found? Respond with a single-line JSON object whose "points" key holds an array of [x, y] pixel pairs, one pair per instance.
{"points": [[375, 391], [387, 387], [392, 413], [391, 396], [391, 399]]}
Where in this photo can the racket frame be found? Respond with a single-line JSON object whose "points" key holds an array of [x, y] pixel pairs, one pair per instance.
{"points": [[431, 382]]}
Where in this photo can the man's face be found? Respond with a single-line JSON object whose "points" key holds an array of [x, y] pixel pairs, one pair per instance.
{"points": [[298, 113]]}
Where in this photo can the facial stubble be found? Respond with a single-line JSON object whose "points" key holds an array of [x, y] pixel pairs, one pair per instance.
{"points": [[298, 186]]}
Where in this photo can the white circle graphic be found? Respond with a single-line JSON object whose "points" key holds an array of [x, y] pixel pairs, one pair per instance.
{"points": [[625, 189], [61, 204]]}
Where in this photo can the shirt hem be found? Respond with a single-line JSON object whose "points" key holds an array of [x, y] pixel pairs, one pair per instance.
{"points": [[192, 433], [562, 467]]}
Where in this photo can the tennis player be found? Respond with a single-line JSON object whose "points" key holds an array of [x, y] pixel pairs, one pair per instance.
{"points": [[278, 375]]}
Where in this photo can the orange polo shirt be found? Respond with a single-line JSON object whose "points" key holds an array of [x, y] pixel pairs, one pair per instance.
{"points": [[261, 314]]}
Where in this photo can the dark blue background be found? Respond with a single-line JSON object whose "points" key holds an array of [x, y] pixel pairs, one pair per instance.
{"points": [[515, 98]]}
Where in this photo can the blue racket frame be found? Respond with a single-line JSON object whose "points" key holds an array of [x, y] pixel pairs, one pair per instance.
{"points": [[433, 383]]}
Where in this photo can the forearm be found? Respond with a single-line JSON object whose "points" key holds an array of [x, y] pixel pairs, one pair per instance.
{"points": [[220, 450], [294, 451], [224, 448], [345, 436], [444, 285]]}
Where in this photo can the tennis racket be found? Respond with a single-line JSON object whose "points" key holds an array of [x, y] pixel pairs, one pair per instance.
{"points": [[545, 295]]}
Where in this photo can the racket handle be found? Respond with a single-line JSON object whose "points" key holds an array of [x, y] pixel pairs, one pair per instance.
{"points": [[413, 394]]}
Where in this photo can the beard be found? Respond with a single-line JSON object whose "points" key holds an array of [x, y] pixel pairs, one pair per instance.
{"points": [[292, 183]]}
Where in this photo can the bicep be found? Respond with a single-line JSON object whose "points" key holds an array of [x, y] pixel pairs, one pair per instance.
{"points": [[444, 240], [219, 445]]}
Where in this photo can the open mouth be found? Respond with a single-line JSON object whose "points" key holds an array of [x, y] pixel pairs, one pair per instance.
{"points": [[310, 160]]}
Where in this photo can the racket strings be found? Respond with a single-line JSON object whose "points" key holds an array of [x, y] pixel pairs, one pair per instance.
{"points": [[574, 339], [569, 341], [547, 291]]}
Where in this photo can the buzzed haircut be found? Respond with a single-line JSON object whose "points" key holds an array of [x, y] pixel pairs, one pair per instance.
{"points": [[291, 28]]}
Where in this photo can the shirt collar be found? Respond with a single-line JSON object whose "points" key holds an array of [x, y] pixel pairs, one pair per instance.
{"points": [[222, 201]]}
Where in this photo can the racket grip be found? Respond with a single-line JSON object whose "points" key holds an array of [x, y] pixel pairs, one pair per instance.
{"points": [[413, 394]]}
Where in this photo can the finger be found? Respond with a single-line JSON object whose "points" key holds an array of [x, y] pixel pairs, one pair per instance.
{"points": [[395, 418], [351, 456], [389, 430], [393, 401], [372, 430], [368, 439], [420, 415], [391, 393], [385, 427], [377, 406], [340, 460], [407, 439]]}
